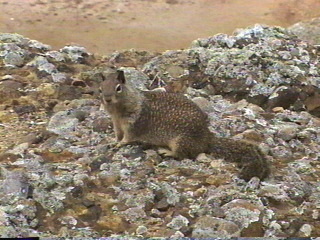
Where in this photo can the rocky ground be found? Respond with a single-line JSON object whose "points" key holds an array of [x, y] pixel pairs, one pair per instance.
{"points": [[61, 175]]}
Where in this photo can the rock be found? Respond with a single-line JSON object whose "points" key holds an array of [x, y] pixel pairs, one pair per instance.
{"points": [[43, 65], [38, 45], [167, 194], [20, 110], [114, 223], [307, 30], [137, 78], [75, 54], [62, 123], [273, 191], [13, 59], [305, 230], [66, 92], [209, 227], [141, 230], [287, 132], [246, 215], [9, 90], [134, 214], [179, 223], [203, 103], [15, 183]]}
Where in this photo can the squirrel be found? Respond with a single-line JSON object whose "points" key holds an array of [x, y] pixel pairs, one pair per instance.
{"points": [[175, 124]]}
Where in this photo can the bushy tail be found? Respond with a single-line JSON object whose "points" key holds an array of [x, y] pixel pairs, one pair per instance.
{"points": [[251, 160]]}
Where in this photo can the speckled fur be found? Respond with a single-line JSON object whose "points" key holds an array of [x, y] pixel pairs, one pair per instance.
{"points": [[173, 121]]}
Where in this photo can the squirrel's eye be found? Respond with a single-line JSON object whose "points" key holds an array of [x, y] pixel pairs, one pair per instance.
{"points": [[119, 88]]}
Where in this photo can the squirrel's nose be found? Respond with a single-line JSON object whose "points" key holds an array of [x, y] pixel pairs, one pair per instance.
{"points": [[106, 99]]}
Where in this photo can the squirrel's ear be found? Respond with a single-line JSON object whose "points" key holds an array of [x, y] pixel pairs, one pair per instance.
{"points": [[121, 76]]}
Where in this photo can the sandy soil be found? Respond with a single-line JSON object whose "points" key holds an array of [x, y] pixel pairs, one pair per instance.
{"points": [[157, 25]]}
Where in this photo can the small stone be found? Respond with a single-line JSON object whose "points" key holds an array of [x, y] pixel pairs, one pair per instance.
{"points": [[76, 54], [177, 235], [155, 213], [200, 191], [218, 180], [305, 230], [288, 132], [253, 184], [68, 220], [179, 222], [134, 214], [162, 205], [141, 230], [278, 109], [202, 157]]}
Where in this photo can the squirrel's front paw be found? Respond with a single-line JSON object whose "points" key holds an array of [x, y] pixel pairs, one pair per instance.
{"points": [[121, 144], [165, 152]]}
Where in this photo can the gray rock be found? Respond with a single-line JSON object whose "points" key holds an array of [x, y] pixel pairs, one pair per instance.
{"points": [[179, 222], [13, 38], [137, 79], [15, 182], [209, 227], [134, 214], [38, 45], [242, 212], [15, 59], [62, 123], [76, 54], [287, 132], [42, 64], [141, 230], [308, 30], [56, 55]]}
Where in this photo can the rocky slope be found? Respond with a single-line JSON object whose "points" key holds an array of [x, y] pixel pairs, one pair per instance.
{"points": [[61, 175]]}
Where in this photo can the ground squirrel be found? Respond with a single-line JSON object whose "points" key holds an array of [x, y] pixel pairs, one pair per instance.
{"points": [[174, 122]]}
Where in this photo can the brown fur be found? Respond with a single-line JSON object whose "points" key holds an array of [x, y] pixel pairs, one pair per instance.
{"points": [[173, 121]]}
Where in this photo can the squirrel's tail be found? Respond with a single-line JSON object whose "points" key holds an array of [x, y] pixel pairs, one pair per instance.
{"points": [[251, 160]]}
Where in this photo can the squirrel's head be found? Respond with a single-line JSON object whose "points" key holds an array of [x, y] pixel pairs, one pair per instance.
{"points": [[112, 87]]}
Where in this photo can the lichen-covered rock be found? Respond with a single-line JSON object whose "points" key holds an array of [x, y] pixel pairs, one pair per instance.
{"points": [[209, 227], [63, 123], [178, 223]]}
